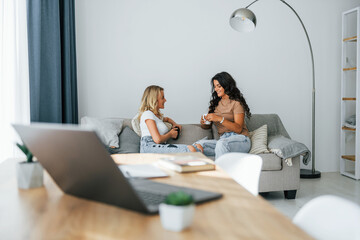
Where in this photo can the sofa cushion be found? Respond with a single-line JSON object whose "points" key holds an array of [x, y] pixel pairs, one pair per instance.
{"points": [[190, 133], [107, 129], [129, 142], [215, 132], [271, 162]]}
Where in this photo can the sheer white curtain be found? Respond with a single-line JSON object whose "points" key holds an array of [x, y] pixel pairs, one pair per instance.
{"points": [[14, 76]]}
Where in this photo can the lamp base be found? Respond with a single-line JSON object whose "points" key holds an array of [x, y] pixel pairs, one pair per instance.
{"points": [[308, 173]]}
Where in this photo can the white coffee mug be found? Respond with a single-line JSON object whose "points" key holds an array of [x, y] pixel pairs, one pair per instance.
{"points": [[206, 121]]}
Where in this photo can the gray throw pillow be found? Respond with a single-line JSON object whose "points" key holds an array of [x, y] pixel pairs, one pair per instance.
{"points": [[129, 142], [107, 129]]}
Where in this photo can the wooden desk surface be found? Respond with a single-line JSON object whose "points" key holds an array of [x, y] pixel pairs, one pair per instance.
{"points": [[48, 213]]}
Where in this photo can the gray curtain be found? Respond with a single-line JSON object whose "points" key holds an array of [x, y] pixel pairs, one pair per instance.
{"points": [[52, 61]]}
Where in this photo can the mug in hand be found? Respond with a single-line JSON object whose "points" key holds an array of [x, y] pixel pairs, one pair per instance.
{"points": [[206, 121], [178, 130]]}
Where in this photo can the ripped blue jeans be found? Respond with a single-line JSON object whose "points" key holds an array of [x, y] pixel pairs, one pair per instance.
{"points": [[147, 145], [228, 142]]}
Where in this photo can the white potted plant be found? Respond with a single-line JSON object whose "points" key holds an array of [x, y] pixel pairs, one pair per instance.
{"points": [[177, 211], [29, 172]]}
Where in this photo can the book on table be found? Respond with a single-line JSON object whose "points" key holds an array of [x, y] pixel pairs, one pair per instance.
{"points": [[186, 164]]}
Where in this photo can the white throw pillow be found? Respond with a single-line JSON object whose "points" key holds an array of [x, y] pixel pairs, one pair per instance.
{"points": [[135, 123], [258, 139], [108, 129]]}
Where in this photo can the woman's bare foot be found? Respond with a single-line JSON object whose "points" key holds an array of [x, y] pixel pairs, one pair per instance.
{"points": [[199, 147], [191, 148]]}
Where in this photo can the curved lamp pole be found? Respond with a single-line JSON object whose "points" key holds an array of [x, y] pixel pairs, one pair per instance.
{"points": [[244, 20]]}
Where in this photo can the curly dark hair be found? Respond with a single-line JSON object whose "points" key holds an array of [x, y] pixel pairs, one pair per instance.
{"points": [[229, 85]]}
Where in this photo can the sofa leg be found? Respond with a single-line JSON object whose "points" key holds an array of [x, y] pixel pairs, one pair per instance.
{"points": [[290, 194], [264, 194]]}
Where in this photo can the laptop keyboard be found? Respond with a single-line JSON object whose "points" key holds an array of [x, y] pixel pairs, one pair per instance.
{"points": [[151, 198], [153, 193]]}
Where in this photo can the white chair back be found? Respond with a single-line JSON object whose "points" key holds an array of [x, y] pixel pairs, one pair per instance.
{"points": [[243, 168], [330, 217]]}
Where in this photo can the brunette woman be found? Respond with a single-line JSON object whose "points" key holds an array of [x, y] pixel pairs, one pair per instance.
{"points": [[227, 111]]}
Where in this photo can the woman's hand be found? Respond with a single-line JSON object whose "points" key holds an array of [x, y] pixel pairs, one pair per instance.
{"points": [[212, 117], [177, 125], [203, 124], [173, 133], [173, 123]]}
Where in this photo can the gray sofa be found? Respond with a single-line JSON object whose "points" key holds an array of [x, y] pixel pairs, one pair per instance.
{"points": [[276, 175]]}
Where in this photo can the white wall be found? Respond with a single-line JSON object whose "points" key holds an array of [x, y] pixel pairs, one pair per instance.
{"points": [[123, 46]]}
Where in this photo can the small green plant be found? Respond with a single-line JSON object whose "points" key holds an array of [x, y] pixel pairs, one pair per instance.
{"points": [[179, 199], [26, 151]]}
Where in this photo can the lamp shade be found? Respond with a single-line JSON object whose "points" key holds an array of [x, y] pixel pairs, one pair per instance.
{"points": [[243, 20]]}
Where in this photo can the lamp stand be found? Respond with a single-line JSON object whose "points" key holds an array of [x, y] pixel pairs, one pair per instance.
{"points": [[248, 23], [309, 173], [306, 173]]}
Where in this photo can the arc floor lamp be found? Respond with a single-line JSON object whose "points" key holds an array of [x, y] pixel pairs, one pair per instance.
{"points": [[244, 20]]}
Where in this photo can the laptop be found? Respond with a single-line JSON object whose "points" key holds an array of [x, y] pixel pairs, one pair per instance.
{"points": [[79, 164]]}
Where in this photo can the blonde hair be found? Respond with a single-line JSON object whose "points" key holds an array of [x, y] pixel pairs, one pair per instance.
{"points": [[149, 100]]}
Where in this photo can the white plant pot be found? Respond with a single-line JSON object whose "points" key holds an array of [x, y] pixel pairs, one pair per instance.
{"points": [[29, 175], [176, 218]]}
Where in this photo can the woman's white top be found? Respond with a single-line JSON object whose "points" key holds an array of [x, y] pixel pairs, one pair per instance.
{"points": [[159, 124]]}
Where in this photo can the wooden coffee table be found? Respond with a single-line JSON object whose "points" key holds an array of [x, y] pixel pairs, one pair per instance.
{"points": [[48, 213]]}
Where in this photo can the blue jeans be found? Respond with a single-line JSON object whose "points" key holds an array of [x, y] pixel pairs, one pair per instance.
{"points": [[228, 142], [147, 145]]}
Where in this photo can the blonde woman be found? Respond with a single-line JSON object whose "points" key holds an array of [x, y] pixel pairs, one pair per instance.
{"points": [[154, 132]]}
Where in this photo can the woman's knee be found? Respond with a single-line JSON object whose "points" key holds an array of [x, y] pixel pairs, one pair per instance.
{"points": [[240, 146], [221, 144], [221, 148]]}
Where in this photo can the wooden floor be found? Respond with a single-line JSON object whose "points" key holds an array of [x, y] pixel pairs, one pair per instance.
{"points": [[330, 183]]}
